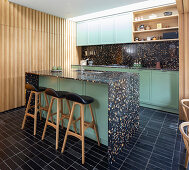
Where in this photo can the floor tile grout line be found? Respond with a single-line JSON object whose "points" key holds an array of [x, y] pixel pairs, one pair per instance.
{"points": [[155, 142], [135, 142]]}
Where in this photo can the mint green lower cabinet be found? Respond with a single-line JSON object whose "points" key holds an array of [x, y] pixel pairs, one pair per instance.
{"points": [[145, 84], [100, 107], [165, 89], [158, 89]]}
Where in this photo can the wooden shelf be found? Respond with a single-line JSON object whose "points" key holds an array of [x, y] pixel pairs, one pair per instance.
{"points": [[155, 40], [156, 30], [158, 18]]}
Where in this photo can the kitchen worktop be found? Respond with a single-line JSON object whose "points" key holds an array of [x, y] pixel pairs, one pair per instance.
{"points": [[87, 75], [127, 67]]}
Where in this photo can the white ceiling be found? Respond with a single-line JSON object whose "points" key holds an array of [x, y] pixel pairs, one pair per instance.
{"points": [[73, 8]]}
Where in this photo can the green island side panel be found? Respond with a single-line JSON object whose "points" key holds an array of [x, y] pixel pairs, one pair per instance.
{"points": [[158, 89], [100, 107]]}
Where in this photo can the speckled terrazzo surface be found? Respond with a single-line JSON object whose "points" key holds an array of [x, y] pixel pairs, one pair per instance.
{"points": [[123, 102], [167, 53], [86, 75], [126, 67]]}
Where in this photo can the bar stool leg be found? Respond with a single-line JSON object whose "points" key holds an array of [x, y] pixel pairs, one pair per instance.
{"points": [[69, 123], [93, 120], [62, 121], [40, 112], [27, 108], [35, 114], [47, 119], [82, 135], [57, 122], [74, 125]]}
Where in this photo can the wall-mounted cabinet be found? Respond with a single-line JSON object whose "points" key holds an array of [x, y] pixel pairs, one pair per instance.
{"points": [[107, 30]]}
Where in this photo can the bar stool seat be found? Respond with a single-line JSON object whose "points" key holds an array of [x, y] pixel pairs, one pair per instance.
{"points": [[79, 98], [82, 101], [58, 96], [37, 91], [30, 87]]}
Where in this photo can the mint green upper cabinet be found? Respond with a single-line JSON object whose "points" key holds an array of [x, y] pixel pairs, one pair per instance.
{"points": [[93, 32], [82, 33], [123, 28], [165, 89], [107, 31]]}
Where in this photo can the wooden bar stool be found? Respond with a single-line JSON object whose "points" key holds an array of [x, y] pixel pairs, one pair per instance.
{"points": [[81, 101], [59, 96], [38, 107], [186, 140]]}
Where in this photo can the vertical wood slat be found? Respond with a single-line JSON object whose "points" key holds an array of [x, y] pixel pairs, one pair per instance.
{"points": [[30, 40]]}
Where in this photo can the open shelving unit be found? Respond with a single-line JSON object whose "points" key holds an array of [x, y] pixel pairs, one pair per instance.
{"points": [[169, 23]]}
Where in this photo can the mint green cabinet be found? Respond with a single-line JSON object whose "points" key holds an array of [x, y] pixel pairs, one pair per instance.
{"points": [[93, 32], [123, 28], [145, 84], [82, 33], [107, 31], [165, 89]]}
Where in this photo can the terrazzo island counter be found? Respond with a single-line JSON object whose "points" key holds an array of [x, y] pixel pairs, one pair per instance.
{"points": [[116, 105], [159, 89]]}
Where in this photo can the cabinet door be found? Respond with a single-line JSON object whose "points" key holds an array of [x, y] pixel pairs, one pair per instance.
{"points": [[93, 28], [145, 80], [82, 33], [145, 84], [165, 89], [107, 30], [123, 28]]}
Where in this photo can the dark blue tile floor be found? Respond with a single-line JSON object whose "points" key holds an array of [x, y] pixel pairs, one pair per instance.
{"points": [[156, 145]]}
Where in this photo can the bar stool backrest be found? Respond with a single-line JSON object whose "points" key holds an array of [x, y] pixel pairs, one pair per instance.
{"points": [[185, 138], [185, 108]]}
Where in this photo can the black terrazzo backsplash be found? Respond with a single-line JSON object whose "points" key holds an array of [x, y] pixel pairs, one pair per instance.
{"points": [[167, 53]]}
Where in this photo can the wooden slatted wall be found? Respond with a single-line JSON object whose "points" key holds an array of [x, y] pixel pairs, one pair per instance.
{"points": [[30, 40]]}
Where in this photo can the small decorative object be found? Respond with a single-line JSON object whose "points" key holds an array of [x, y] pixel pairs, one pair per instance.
{"points": [[83, 62], [86, 53], [138, 28], [136, 18], [167, 26], [148, 27], [59, 68], [167, 13], [142, 39], [149, 38], [142, 28], [154, 38], [54, 68], [141, 18], [159, 25], [90, 62], [153, 16], [136, 39], [158, 65]]}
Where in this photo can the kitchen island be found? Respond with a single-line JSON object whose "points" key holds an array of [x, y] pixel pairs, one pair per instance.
{"points": [[116, 105], [159, 89]]}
